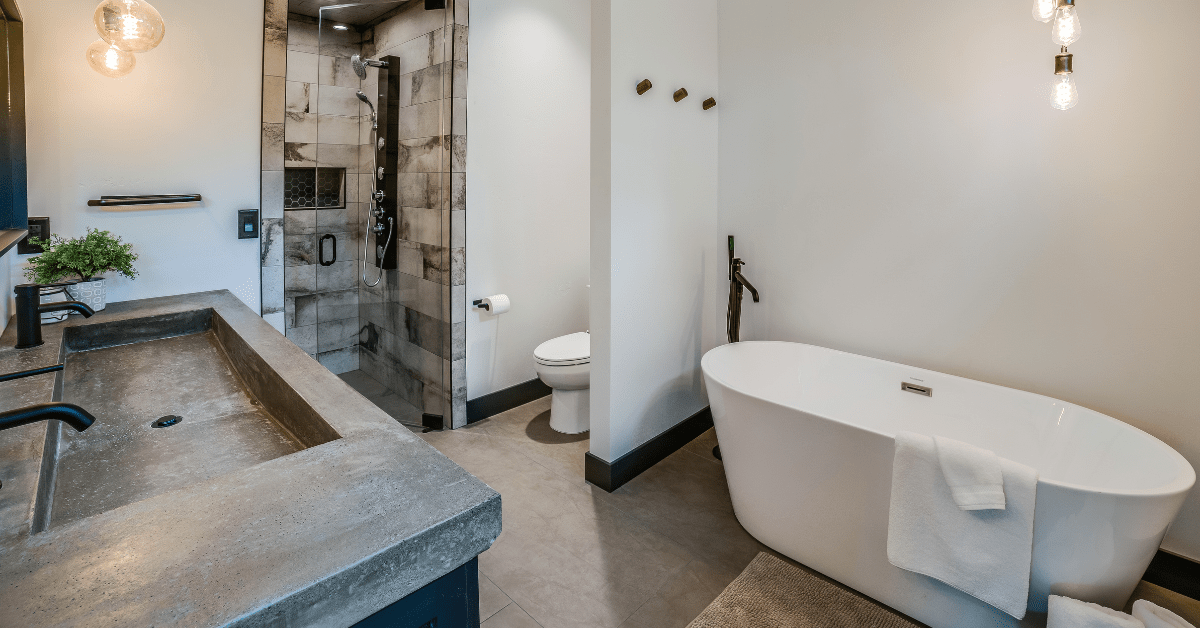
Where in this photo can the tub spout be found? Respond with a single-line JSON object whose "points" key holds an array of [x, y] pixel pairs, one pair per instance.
{"points": [[737, 276], [737, 285]]}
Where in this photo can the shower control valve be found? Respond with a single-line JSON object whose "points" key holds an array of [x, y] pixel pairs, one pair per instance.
{"points": [[379, 196], [378, 228], [380, 173]]}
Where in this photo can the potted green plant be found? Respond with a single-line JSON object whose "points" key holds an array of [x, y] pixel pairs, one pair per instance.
{"points": [[83, 260]]}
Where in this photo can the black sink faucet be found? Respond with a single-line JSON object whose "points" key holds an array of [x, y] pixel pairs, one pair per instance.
{"points": [[30, 310], [72, 415]]}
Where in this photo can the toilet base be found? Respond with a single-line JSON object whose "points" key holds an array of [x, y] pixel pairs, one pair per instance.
{"points": [[570, 412]]}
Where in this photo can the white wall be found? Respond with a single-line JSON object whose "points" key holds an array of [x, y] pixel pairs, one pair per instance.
{"points": [[528, 106], [187, 120], [656, 250], [901, 189]]}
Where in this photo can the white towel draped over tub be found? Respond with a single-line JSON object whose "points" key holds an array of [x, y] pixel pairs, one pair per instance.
{"points": [[984, 553], [973, 474], [1065, 612], [1155, 616]]}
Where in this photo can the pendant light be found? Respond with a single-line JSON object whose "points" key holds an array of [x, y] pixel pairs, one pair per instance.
{"points": [[1065, 28], [1064, 31], [131, 25], [1063, 93], [109, 60], [1043, 10], [125, 27]]}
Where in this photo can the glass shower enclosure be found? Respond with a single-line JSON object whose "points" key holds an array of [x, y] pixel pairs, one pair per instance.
{"points": [[369, 157]]}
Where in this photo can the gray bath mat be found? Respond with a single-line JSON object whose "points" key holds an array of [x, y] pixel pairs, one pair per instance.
{"points": [[773, 593]]}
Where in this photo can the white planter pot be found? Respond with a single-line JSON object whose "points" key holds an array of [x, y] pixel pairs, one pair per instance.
{"points": [[54, 295], [90, 293]]}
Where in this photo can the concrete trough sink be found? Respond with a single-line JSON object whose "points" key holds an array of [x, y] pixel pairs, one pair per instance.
{"points": [[282, 497]]}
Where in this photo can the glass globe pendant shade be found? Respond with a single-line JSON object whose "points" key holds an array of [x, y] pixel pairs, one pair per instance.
{"points": [[109, 60], [131, 25], [1063, 94], [1043, 10], [1065, 28]]}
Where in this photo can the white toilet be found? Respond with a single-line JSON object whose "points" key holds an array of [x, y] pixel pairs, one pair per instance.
{"points": [[565, 364]]}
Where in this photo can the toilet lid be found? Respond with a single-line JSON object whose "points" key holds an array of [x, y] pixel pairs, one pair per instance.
{"points": [[566, 350]]}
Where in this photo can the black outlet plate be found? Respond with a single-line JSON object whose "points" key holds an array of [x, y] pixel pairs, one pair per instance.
{"points": [[39, 227], [247, 224]]}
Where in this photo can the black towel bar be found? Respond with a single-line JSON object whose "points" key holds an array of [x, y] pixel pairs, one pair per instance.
{"points": [[144, 199]]}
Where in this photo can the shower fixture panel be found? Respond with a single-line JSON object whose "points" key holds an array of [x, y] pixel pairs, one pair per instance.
{"points": [[386, 178]]}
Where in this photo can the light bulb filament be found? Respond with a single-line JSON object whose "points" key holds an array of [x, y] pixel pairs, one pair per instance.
{"points": [[1043, 10], [129, 27], [1066, 27]]}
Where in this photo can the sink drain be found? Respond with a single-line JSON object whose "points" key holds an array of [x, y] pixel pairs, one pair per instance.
{"points": [[167, 421]]}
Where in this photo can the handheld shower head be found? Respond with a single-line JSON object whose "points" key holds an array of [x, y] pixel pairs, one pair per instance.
{"points": [[363, 97]]}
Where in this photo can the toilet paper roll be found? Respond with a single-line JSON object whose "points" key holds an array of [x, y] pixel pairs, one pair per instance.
{"points": [[498, 303]]}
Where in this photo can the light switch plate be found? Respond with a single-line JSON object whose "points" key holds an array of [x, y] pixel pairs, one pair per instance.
{"points": [[247, 224]]}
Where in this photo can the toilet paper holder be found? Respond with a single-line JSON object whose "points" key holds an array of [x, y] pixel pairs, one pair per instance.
{"points": [[495, 305]]}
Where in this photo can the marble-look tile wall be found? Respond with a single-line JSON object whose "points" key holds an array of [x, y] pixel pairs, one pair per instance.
{"points": [[322, 129], [413, 323], [408, 332], [275, 34]]}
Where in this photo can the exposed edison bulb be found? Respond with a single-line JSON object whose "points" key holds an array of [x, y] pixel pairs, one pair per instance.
{"points": [[1043, 10], [1065, 28], [131, 25], [109, 60], [1063, 94]]}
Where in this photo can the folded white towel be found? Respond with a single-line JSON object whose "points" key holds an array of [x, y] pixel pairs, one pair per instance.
{"points": [[984, 553], [973, 474], [1155, 616], [1067, 613]]}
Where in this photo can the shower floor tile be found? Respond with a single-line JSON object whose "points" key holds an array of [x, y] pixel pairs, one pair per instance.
{"points": [[404, 412]]}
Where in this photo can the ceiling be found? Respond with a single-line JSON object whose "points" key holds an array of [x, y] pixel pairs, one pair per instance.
{"points": [[359, 14]]}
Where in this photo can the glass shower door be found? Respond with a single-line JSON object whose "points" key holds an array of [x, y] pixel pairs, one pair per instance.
{"points": [[381, 289]]}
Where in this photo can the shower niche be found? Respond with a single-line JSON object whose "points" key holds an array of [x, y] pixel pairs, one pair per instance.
{"points": [[308, 188], [372, 306]]}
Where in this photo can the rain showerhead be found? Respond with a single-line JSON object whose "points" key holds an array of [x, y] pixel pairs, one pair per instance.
{"points": [[360, 65]]}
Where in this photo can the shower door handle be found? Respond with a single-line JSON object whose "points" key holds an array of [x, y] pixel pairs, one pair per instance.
{"points": [[321, 249]]}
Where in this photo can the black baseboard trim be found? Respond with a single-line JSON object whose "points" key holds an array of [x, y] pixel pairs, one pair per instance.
{"points": [[1174, 573], [610, 476], [492, 404]]}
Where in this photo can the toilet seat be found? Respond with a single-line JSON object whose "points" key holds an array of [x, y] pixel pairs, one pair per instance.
{"points": [[569, 350]]}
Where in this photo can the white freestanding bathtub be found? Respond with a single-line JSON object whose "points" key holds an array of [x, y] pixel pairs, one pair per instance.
{"points": [[807, 436]]}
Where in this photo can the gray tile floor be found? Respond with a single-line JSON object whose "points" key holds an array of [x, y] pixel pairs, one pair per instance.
{"points": [[654, 553]]}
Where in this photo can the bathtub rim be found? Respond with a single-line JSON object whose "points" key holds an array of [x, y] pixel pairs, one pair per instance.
{"points": [[1180, 485]]}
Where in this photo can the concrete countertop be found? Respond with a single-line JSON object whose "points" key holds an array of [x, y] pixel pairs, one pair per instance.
{"points": [[325, 536]]}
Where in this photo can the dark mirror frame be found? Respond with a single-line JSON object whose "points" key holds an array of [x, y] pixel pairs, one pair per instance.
{"points": [[14, 192]]}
